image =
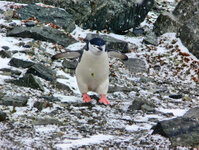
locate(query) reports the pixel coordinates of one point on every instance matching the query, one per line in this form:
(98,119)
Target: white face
(97,50)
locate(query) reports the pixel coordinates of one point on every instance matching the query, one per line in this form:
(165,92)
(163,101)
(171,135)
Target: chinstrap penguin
(92,72)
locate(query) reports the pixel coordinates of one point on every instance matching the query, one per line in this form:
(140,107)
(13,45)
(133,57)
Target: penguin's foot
(86,98)
(104,100)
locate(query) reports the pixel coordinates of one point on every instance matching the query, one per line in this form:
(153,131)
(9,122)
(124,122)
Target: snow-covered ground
(176,65)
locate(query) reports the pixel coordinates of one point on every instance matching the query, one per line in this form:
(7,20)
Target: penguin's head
(97,46)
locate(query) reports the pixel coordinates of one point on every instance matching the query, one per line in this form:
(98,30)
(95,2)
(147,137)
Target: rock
(18,101)
(70,64)
(41,71)
(140,104)
(113,89)
(15,62)
(166,22)
(5,54)
(5,47)
(55,15)
(3,116)
(42,33)
(62,86)
(151,38)
(30,24)
(111,43)
(111,15)
(47,121)
(9,72)
(8,14)
(181,131)
(189,35)
(176,96)
(50,98)
(28,80)
(138,31)
(41,105)
(1,94)
(192,113)
(136,65)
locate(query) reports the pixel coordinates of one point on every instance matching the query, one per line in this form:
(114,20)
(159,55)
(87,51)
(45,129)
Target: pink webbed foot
(86,98)
(104,100)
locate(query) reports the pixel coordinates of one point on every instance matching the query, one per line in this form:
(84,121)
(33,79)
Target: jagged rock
(8,14)
(28,80)
(62,86)
(141,104)
(41,71)
(166,22)
(111,43)
(12,73)
(113,89)
(50,98)
(98,15)
(189,34)
(41,105)
(42,33)
(48,15)
(18,101)
(181,131)
(3,116)
(15,62)
(70,64)
(47,121)
(5,54)
(136,65)
(151,38)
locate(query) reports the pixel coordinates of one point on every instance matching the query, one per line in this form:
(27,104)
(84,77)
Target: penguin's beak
(100,48)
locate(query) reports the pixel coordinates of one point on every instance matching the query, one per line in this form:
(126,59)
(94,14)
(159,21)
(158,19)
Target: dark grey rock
(47,121)
(42,33)
(151,38)
(28,80)
(12,73)
(136,65)
(5,47)
(141,104)
(15,62)
(192,113)
(70,64)
(138,32)
(166,22)
(41,71)
(3,116)
(62,86)
(50,98)
(181,131)
(189,34)
(47,15)
(18,101)
(41,105)
(111,43)
(30,24)
(113,89)
(5,54)
(176,96)
(1,94)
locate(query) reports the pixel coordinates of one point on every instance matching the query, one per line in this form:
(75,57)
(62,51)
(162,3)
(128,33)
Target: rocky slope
(150,94)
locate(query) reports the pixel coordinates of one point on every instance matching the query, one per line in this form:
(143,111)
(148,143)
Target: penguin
(92,71)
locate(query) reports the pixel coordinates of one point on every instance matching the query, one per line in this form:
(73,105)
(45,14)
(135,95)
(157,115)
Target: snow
(94,139)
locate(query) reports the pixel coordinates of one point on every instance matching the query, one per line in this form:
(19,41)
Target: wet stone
(175,96)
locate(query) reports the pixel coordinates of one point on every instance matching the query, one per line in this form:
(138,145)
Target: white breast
(92,73)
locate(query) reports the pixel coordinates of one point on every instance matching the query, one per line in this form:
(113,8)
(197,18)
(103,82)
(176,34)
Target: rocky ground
(41,107)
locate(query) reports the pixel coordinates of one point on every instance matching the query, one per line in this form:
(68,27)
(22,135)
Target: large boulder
(184,20)
(48,15)
(113,15)
(42,33)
